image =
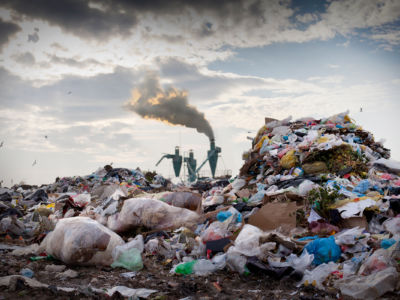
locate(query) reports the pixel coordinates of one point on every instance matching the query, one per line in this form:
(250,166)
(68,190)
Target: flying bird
(34,163)
(69,92)
(1,145)
(45,136)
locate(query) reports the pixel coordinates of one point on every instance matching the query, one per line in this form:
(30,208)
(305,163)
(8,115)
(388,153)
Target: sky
(89,83)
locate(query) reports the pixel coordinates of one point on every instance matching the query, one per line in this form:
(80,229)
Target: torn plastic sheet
(352,209)
(128,292)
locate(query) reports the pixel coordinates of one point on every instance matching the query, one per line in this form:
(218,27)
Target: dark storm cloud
(7,30)
(90,98)
(76,16)
(104,18)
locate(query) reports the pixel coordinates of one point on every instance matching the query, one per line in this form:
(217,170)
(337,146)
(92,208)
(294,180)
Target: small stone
(93,281)
(55,268)
(67,274)
(173,284)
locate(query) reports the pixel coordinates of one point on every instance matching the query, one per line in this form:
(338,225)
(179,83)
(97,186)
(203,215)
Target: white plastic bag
(248,242)
(300,263)
(153,214)
(318,275)
(236,262)
(306,186)
(393,226)
(205,267)
(81,241)
(348,236)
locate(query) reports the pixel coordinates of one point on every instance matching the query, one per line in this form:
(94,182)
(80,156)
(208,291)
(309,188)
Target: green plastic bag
(130,259)
(185,268)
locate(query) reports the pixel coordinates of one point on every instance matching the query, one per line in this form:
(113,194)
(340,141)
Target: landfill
(313,213)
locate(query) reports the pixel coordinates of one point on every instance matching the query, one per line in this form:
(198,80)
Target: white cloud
(345,44)
(307,18)
(387,39)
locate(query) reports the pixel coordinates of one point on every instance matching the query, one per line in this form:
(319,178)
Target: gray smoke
(171,105)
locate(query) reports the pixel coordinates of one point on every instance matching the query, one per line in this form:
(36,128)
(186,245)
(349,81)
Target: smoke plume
(171,105)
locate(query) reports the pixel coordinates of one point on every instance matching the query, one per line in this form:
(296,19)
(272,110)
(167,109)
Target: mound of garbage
(316,202)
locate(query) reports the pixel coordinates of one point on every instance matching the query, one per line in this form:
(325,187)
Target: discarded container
(201,267)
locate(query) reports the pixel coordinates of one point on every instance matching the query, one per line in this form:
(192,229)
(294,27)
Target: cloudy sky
(75,76)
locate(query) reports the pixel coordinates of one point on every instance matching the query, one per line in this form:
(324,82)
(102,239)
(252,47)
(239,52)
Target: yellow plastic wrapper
(51,206)
(323,139)
(289,160)
(261,141)
(260,132)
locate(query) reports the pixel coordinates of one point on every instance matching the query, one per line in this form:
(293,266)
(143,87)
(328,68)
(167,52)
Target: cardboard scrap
(274,215)
(354,222)
(244,193)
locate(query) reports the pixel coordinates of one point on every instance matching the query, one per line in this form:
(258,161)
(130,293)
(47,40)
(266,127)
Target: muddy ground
(155,275)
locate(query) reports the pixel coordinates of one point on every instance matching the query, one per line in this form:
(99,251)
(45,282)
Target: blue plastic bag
(362,187)
(387,243)
(223,215)
(308,238)
(324,250)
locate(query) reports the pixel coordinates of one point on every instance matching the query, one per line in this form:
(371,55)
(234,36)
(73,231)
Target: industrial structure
(190,161)
(176,161)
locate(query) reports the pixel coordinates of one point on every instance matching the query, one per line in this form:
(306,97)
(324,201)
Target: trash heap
(316,202)
(28,212)
(333,191)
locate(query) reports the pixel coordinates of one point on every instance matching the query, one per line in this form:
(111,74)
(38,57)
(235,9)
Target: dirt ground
(155,275)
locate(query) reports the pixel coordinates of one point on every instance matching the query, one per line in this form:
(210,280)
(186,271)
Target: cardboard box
(274,215)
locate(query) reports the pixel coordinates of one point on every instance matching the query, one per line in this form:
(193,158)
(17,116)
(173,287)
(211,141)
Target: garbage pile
(316,202)
(28,212)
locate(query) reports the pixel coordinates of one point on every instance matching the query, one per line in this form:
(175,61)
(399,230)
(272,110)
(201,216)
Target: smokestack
(212,155)
(212,144)
(171,105)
